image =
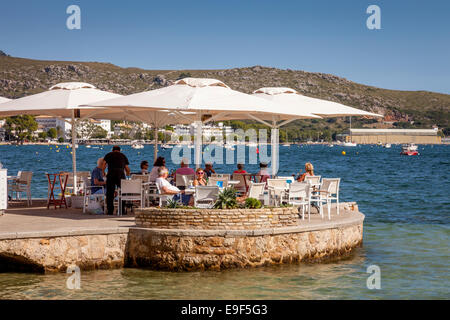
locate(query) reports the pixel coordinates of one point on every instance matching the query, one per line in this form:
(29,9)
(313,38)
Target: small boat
(137,145)
(250,144)
(409,149)
(387,145)
(286,144)
(349,144)
(166,146)
(331,145)
(88,146)
(229,147)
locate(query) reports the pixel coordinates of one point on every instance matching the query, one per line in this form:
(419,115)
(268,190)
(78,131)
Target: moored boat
(409,149)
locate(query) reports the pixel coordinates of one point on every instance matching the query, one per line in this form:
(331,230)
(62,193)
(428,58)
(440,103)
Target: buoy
(257,150)
(343,153)
(37,152)
(67,147)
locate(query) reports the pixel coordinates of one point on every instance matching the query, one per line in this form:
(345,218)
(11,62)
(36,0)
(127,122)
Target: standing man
(117,166)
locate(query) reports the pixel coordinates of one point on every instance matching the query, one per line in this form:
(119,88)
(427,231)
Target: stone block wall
(235,219)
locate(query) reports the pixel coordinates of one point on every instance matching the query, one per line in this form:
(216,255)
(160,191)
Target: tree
(99,133)
(42,135)
(21,127)
(52,133)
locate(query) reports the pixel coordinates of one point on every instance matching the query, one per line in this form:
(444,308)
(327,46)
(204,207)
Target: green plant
(172,204)
(252,203)
(226,199)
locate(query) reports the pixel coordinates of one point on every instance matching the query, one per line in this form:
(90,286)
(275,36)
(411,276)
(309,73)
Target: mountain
(20,77)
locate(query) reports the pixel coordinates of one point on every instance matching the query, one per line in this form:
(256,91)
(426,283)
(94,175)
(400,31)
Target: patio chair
(163,197)
(328,191)
(256,190)
(277,189)
(205,197)
(244,182)
(23,184)
(314,181)
(299,195)
(213,182)
(89,196)
(221,175)
(184,180)
(130,190)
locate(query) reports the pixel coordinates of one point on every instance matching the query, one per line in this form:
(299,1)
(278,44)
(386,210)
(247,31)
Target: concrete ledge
(62,233)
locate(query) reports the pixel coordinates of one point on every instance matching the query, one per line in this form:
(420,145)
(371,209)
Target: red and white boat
(409,149)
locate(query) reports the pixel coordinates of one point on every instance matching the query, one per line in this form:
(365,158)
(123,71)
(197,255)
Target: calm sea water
(406,201)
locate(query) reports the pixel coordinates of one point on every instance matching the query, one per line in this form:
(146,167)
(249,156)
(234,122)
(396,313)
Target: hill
(404,109)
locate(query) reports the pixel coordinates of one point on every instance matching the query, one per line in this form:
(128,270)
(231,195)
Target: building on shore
(374,136)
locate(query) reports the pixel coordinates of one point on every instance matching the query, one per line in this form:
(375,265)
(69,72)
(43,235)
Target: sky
(411,51)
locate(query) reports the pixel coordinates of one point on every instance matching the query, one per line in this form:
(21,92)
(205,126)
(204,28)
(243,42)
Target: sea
(405,199)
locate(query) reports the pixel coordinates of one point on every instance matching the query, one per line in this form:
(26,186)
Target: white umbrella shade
(288,99)
(208,99)
(61,100)
(3,100)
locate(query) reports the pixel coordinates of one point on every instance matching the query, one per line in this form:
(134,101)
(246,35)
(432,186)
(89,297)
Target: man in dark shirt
(117,166)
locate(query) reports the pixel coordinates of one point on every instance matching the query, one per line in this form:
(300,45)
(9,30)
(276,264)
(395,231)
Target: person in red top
(240,169)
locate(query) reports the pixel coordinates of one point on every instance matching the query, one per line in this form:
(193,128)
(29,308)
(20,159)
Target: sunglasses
(200,172)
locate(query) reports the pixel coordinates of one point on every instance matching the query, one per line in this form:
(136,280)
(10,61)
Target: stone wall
(235,219)
(100,251)
(187,250)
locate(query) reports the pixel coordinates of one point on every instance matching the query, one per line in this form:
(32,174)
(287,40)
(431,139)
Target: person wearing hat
(117,167)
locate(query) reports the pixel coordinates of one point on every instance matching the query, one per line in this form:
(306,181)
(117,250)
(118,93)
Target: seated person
(209,169)
(160,162)
(263,172)
(240,169)
(309,171)
(199,178)
(183,169)
(144,167)
(167,189)
(98,177)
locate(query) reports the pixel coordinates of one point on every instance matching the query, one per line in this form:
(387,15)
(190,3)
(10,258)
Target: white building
(45,123)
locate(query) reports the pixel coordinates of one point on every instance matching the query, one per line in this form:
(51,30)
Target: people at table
(117,164)
(263,172)
(184,169)
(166,188)
(199,178)
(209,169)
(309,171)
(144,167)
(98,177)
(240,169)
(160,162)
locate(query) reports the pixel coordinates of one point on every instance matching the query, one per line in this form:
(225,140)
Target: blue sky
(410,52)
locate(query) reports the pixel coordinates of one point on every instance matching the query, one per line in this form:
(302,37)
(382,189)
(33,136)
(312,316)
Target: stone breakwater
(189,239)
(269,236)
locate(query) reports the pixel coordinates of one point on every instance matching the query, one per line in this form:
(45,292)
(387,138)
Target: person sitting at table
(166,188)
(160,162)
(199,178)
(98,177)
(144,167)
(209,169)
(183,169)
(309,171)
(240,169)
(263,172)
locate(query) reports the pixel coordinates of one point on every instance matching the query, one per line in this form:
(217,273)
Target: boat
(286,144)
(250,144)
(166,146)
(409,149)
(229,147)
(137,145)
(387,145)
(349,144)
(88,146)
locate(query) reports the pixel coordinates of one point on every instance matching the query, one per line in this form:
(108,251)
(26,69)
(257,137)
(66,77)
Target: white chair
(277,189)
(244,182)
(162,197)
(314,181)
(184,180)
(299,195)
(23,184)
(290,179)
(221,175)
(89,196)
(205,197)
(130,190)
(328,191)
(213,182)
(256,191)
(145,180)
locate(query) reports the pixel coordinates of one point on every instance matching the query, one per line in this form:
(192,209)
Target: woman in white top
(159,163)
